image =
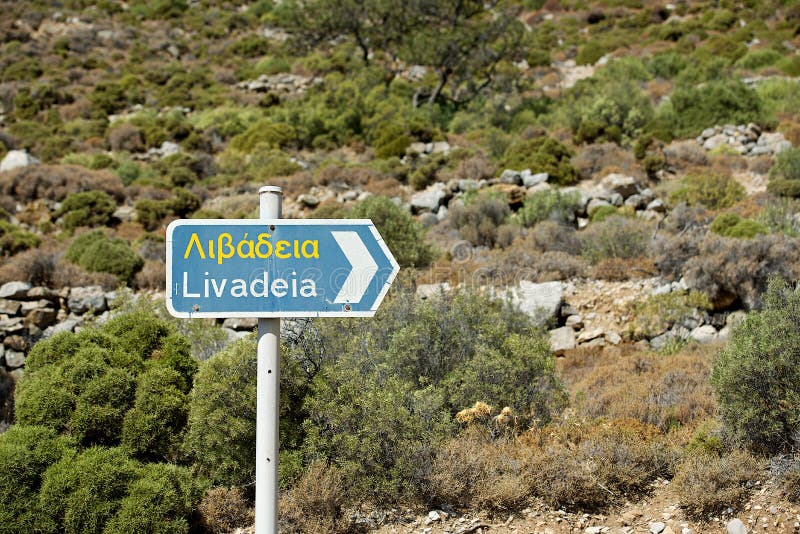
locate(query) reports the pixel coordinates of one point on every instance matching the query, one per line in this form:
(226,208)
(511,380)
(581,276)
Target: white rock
(14,358)
(84,299)
(168,148)
(17,158)
(620,184)
(735,526)
(657,527)
(574,321)
(541,302)
(613,338)
(588,335)
(715,141)
(14,290)
(429,199)
(704,334)
(509,176)
(425,291)
(561,340)
(530,180)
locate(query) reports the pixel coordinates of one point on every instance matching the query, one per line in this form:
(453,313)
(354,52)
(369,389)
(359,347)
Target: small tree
(756,377)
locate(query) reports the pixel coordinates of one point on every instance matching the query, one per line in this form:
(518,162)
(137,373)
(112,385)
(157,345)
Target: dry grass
(55,182)
(707,484)
(223,510)
(315,503)
(622,382)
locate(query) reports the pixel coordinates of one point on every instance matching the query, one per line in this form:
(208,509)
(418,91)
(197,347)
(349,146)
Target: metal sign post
(268,396)
(272,268)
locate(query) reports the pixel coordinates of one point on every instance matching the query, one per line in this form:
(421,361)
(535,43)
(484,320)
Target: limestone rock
(14,290)
(539,301)
(17,158)
(240,324)
(624,186)
(425,291)
(14,359)
(430,199)
(83,299)
(704,334)
(561,340)
(735,526)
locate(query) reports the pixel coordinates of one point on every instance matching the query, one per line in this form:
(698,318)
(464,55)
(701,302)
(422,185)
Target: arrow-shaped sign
(363,267)
(276,268)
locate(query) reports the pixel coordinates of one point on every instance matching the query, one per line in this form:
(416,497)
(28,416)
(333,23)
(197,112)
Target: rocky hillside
(594,204)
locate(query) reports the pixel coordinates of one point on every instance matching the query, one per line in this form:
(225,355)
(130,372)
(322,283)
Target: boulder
(657,206)
(425,291)
(67,325)
(14,359)
(17,158)
(575,321)
(588,335)
(14,290)
(561,340)
(38,293)
(16,342)
(240,324)
(715,141)
(613,338)
(704,334)
(735,526)
(511,177)
(11,325)
(539,301)
(529,180)
(309,201)
(83,299)
(620,184)
(41,317)
(430,199)
(9,307)
(595,204)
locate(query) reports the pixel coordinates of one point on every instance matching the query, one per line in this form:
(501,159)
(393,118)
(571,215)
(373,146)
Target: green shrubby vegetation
(548,205)
(714,191)
(732,225)
(90,209)
(96,252)
(542,154)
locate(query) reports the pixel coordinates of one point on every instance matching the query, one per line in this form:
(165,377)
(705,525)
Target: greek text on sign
(276,268)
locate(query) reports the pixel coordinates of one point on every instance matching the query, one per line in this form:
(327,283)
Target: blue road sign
(276,268)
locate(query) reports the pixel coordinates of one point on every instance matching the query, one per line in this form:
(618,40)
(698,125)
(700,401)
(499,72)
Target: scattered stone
(511,177)
(735,526)
(9,307)
(42,293)
(83,299)
(574,321)
(11,325)
(539,301)
(430,199)
(595,204)
(531,180)
(14,359)
(16,342)
(14,290)
(704,334)
(657,527)
(309,201)
(561,340)
(588,335)
(17,158)
(240,324)
(594,530)
(613,338)
(657,206)
(425,291)
(624,186)
(715,141)
(67,325)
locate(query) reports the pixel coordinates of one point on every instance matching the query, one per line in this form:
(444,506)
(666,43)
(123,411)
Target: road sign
(276,268)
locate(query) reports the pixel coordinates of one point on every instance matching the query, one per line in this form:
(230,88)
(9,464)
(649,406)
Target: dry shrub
(70,275)
(349,176)
(552,236)
(624,383)
(125,137)
(593,159)
(760,164)
(590,466)
(37,266)
(521,261)
(707,484)
(55,182)
(295,184)
(315,503)
(477,167)
(223,510)
(617,269)
(790,480)
(673,252)
(475,472)
(683,155)
(729,269)
(152,276)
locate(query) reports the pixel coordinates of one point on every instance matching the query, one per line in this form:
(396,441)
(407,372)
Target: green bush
(96,252)
(617,113)
(784,188)
(264,132)
(548,205)
(477,220)
(88,208)
(757,59)
(659,313)
(25,453)
(717,102)
(731,225)
(13,239)
(220,435)
(404,236)
(714,191)
(615,237)
(83,491)
(787,165)
(161,499)
(755,378)
(542,154)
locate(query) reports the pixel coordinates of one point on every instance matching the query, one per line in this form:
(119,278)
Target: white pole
(267,409)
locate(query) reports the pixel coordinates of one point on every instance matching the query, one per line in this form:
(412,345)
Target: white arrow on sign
(363,267)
